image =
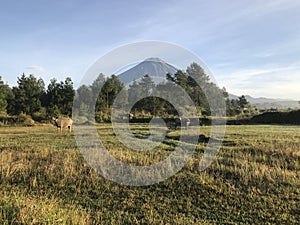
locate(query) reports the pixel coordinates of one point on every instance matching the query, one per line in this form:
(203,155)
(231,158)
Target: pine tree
(28,95)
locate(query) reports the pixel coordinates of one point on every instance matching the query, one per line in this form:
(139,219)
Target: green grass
(255,179)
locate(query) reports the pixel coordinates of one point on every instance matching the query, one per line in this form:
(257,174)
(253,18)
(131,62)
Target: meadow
(255,179)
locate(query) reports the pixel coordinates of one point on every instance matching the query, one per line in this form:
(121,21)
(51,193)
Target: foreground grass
(254,180)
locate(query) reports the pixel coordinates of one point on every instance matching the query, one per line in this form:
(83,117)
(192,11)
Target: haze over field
(252,47)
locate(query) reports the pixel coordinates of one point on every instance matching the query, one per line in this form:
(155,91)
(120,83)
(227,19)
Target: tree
(68,94)
(225,93)
(3,103)
(134,92)
(139,95)
(111,89)
(100,96)
(198,74)
(28,95)
(196,83)
(147,84)
(179,78)
(96,93)
(165,90)
(238,106)
(243,102)
(60,97)
(198,96)
(84,100)
(6,97)
(53,97)
(232,107)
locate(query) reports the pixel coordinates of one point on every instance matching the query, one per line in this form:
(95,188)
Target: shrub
(40,116)
(25,120)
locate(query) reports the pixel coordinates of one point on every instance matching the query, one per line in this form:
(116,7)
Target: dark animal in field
(182,121)
(61,123)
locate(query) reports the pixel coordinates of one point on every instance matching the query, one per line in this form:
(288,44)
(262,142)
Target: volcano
(152,66)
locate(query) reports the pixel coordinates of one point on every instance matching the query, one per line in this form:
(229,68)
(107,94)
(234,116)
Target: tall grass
(255,179)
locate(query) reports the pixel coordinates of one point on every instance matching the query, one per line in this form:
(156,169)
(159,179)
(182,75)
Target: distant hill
(151,66)
(267,103)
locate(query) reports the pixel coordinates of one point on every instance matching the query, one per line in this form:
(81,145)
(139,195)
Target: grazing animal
(184,121)
(61,123)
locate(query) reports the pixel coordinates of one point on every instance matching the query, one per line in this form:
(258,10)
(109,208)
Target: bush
(25,120)
(40,116)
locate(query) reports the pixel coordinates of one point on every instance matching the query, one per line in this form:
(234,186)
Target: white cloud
(277,82)
(36,68)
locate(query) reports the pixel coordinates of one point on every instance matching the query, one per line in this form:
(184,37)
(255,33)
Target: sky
(250,47)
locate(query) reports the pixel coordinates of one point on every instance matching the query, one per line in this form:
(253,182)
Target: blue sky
(251,47)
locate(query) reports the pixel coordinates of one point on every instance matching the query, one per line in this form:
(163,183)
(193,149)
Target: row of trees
(31,97)
(194,82)
(149,97)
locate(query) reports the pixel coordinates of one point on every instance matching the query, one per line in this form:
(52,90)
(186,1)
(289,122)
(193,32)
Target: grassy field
(255,179)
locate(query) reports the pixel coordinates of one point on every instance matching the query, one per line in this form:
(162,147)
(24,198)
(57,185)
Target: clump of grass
(9,212)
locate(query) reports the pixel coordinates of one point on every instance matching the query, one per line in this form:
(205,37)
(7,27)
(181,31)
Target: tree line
(31,97)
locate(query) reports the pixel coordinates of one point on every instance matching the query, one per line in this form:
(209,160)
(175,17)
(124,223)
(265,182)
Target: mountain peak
(153,66)
(154,59)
